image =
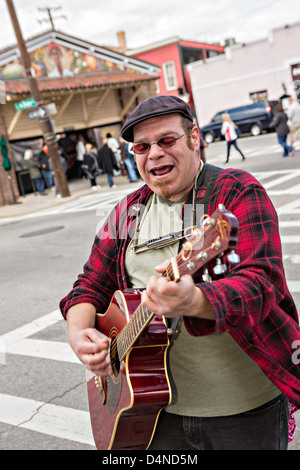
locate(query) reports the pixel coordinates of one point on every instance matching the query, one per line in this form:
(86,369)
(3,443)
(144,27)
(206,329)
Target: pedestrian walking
(45,166)
(90,166)
(279,122)
(125,155)
(35,172)
(108,162)
(80,152)
(229,130)
(113,144)
(293,113)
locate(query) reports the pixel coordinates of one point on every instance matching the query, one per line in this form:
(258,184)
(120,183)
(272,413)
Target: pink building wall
(160,54)
(227,80)
(158,57)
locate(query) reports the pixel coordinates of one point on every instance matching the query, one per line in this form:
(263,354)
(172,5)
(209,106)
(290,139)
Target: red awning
(16,87)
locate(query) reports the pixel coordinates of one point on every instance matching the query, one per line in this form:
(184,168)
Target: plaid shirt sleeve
(252,302)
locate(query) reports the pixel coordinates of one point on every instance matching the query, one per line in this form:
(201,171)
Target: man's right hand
(88,345)
(92,350)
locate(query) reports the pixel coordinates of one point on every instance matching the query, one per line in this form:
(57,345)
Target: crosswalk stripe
(53,350)
(281,192)
(281,179)
(31,328)
(294,286)
(17,341)
(290,239)
(292,207)
(53,420)
(289,223)
(295,259)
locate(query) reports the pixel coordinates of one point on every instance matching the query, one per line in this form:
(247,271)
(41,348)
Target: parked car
(253,118)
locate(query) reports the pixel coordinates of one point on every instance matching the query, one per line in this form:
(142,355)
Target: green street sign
(25,104)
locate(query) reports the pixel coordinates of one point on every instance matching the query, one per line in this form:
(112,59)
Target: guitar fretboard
(139,320)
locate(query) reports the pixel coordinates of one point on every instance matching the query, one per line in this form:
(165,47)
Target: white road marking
(53,420)
(290,238)
(289,208)
(289,223)
(17,341)
(294,287)
(53,350)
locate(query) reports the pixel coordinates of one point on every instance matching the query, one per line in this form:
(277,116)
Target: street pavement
(31,203)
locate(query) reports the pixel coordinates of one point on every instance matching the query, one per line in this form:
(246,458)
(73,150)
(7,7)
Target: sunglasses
(164,143)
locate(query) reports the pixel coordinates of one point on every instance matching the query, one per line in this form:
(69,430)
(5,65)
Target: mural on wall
(55,61)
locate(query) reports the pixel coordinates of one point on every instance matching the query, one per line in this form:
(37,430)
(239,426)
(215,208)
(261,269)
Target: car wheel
(209,138)
(255,129)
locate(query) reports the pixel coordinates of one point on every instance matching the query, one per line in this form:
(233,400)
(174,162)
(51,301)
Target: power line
(233,20)
(50,18)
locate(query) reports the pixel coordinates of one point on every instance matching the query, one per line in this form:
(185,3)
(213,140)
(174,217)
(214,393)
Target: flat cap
(153,107)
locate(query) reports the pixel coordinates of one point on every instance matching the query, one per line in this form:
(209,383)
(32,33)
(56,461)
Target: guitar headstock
(217,235)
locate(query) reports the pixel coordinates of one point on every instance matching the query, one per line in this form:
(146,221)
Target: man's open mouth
(163,170)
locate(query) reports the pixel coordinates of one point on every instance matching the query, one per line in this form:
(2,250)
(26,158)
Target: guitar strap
(200,194)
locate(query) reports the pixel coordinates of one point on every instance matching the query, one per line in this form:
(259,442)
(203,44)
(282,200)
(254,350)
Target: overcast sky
(147,21)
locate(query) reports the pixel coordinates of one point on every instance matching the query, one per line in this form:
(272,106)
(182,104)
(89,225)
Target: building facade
(173,56)
(86,88)
(265,69)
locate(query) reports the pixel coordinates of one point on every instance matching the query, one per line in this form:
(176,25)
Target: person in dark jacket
(35,172)
(90,165)
(279,122)
(45,166)
(108,162)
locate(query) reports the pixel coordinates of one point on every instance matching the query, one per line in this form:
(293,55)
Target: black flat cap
(153,107)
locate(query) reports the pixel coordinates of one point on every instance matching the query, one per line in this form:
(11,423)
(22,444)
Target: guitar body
(124,408)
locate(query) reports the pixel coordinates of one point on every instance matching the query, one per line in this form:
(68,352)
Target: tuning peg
(220,268)
(233,257)
(205,276)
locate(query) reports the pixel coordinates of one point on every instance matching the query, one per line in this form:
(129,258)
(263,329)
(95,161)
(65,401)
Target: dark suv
(252,118)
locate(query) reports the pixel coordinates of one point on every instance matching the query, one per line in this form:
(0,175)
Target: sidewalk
(77,187)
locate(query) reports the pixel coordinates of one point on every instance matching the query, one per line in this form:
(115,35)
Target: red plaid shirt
(252,302)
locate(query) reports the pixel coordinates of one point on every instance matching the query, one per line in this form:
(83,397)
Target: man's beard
(163,185)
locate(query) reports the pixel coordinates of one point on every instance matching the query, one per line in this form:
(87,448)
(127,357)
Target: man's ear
(195,138)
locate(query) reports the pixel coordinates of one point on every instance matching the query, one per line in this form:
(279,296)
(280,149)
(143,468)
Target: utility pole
(44,122)
(50,19)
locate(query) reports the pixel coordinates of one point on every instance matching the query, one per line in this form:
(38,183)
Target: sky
(147,21)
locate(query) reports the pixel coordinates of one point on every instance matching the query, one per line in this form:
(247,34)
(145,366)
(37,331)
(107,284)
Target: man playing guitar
(229,367)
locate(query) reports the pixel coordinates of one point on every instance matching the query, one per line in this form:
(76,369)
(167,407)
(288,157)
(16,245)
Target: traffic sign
(25,104)
(38,113)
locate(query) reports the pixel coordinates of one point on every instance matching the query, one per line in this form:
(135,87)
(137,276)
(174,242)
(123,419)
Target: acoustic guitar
(125,407)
